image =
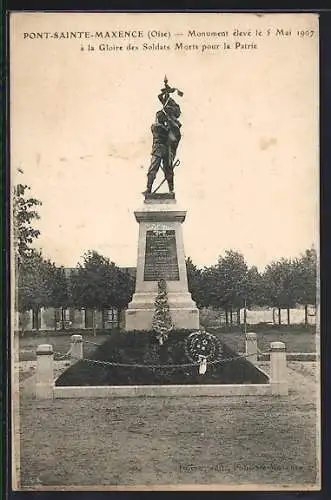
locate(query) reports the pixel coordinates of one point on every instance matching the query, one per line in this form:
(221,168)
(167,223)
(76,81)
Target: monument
(161,254)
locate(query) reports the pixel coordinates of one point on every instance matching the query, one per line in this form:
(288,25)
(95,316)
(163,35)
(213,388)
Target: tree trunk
(288,316)
(20,324)
(231,318)
(226,317)
(62,318)
(238,316)
(93,323)
(245,317)
(306,314)
(36,318)
(274,315)
(55,319)
(103,315)
(119,317)
(279,316)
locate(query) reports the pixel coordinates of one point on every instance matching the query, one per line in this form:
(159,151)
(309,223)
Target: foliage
(194,280)
(292,281)
(254,289)
(306,277)
(280,283)
(35,282)
(231,284)
(61,296)
(222,285)
(100,284)
(24,214)
(232,270)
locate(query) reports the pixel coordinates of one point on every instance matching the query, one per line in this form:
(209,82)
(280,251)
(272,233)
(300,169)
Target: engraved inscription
(161,256)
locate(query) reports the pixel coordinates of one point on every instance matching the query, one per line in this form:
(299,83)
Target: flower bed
(141,348)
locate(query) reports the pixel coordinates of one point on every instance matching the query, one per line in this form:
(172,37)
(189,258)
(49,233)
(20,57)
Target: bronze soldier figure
(166,137)
(160,152)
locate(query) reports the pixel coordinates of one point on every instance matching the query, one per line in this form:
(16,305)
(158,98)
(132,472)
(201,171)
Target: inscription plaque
(161,256)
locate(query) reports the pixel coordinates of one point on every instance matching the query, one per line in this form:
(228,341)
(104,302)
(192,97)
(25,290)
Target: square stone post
(45,372)
(76,347)
(251,347)
(279,376)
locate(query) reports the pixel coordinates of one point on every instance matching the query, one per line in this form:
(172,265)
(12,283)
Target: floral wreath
(201,344)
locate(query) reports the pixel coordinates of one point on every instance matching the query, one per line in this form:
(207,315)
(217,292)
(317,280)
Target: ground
(261,440)
(228,440)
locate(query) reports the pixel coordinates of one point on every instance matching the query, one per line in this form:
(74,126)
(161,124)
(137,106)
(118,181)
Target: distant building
(52,318)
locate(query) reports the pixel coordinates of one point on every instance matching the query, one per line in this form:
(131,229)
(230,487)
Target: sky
(80,131)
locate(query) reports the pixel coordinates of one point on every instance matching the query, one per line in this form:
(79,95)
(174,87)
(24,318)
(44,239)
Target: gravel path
(163,441)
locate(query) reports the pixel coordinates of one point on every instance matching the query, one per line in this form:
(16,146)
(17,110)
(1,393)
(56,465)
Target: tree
(280,285)
(34,283)
(306,276)
(60,290)
(122,288)
(24,214)
(99,284)
(253,289)
(232,277)
(194,280)
(221,286)
(209,294)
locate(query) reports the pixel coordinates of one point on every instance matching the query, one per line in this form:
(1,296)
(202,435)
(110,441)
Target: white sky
(249,151)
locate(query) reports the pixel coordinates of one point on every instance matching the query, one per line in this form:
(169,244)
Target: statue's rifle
(175,164)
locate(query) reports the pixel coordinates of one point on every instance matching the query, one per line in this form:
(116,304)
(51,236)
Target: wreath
(202,345)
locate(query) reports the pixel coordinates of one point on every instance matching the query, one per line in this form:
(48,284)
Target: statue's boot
(150,180)
(171,185)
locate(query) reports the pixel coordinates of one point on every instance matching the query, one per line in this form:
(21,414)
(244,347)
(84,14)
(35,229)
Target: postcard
(165,249)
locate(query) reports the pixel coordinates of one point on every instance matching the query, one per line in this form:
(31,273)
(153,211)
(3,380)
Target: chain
(62,356)
(159,366)
(262,353)
(184,365)
(93,343)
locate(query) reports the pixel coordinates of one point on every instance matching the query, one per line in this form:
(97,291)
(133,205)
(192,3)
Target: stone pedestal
(161,255)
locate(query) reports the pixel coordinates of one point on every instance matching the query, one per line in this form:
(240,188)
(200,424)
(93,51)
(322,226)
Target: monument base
(183,311)
(141,319)
(161,256)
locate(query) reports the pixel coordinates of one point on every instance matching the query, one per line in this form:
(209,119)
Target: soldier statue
(166,137)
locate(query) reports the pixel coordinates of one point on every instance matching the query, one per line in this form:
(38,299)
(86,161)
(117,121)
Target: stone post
(76,347)
(279,376)
(251,347)
(45,372)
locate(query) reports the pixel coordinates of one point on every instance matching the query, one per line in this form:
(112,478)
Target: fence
(46,389)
